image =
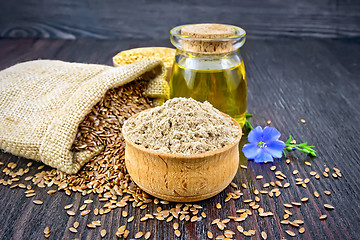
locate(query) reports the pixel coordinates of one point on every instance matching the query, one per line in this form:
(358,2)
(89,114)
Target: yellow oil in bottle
(225,88)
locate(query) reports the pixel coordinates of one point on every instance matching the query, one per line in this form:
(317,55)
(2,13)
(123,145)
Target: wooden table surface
(288,80)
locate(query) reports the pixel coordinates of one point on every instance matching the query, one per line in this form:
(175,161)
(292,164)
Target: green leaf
(248,115)
(305,151)
(288,141)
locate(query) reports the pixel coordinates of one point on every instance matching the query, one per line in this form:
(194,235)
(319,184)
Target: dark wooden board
(141,19)
(288,79)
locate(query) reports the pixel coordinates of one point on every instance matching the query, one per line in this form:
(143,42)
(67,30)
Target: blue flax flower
(264,145)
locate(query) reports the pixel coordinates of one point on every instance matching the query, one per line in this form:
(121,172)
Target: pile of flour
(181,125)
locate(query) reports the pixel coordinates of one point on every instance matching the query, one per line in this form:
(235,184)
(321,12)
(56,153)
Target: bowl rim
(183,156)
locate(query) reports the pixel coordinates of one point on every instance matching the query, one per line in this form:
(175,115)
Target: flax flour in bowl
(183,150)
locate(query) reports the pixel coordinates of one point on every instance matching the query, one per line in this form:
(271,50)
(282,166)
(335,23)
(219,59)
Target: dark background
(302,60)
(114,19)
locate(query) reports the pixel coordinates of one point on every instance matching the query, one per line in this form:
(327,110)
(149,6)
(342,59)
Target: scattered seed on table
(323,217)
(51,192)
(298,221)
(203,214)
(264,235)
(317,176)
(130,219)
(287,161)
(47,230)
(139,235)
(70,213)
(295,172)
(287,205)
(244,185)
(96,223)
(147,235)
(90,225)
(327,192)
(334,175)
(76,224)
(240,228)
(296,203)
(82,207)
(68,206)
(288,212)
(258,177)
(272,168)
(218,205)
(243,166)
(328,206)
(73,230)
(103,233)
(175,226)
(325,174)
(307,163)
(291,233)
(285,222)
(301,230)
(246,233)
(124,213)
(316,194)
(38,202)
(286,185)
(177,233)
(85,212)
(210,235)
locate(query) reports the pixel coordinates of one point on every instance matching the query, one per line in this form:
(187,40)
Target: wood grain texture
(288,79)
(141,19)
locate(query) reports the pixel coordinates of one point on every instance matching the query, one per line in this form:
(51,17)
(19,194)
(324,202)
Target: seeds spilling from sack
(105,173)
(102,126)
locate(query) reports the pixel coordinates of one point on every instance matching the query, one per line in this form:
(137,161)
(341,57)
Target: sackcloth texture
(43,102)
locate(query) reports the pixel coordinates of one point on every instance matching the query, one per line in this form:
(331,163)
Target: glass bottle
(208,67)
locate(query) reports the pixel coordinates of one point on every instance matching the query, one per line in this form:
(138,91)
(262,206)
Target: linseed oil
(225,88)
(208,67)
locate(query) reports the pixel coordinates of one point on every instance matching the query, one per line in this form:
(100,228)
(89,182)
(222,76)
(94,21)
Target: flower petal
(275,148)
(255,135)
(251,150)
(263,157)
(270,134)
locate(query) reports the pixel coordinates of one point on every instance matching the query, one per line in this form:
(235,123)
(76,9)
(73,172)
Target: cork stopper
(211,32)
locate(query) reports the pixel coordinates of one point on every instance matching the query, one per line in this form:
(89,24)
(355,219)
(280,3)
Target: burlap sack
(42,103)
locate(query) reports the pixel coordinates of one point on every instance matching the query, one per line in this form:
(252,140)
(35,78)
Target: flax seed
(329,207)
(147,235)
(177,233)
(47,230)
(323,217)
(38,202)
(73,230)
(291,233)
(70,213)
(139,235)
(103,233)
(90,225)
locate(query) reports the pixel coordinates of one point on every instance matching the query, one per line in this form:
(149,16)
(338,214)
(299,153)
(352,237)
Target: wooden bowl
(182,178)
